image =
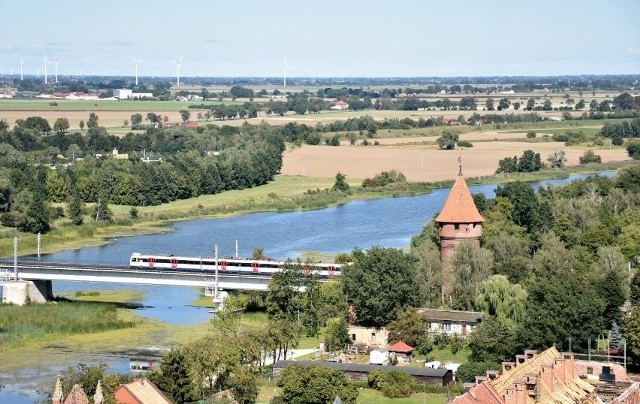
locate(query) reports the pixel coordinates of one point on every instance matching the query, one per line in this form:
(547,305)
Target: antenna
(284,74)
(137,62)
(21,65)
(178,67)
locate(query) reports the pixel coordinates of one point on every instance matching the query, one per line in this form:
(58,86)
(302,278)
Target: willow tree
(500,298)
(469,267)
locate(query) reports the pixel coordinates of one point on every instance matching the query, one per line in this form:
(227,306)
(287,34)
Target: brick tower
(459,219)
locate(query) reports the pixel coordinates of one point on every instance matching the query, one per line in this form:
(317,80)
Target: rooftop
(459,207)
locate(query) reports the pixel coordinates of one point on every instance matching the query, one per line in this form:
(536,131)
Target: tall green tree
(492,341)
(379,284)
(500,298)
(173,377)
(93,120)
(631,332)
(561,306)
(469,266)
(410,327)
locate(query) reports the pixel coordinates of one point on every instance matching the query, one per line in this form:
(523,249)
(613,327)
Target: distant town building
(340,105)
(126,94)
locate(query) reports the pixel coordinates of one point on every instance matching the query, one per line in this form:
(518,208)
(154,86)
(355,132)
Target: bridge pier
(21,292)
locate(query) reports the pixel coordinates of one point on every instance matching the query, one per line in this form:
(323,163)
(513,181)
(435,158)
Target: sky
(329,38)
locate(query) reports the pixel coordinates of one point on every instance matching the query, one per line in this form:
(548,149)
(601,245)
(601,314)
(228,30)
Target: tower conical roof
(459,207)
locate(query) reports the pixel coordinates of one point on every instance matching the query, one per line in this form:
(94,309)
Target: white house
(451,322)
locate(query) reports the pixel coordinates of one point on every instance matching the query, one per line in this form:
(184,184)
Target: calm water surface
(387,222)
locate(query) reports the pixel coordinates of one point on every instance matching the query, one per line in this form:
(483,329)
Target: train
(227,265)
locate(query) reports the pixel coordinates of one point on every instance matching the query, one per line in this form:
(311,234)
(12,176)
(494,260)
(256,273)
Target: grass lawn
(108,296)
(371,396)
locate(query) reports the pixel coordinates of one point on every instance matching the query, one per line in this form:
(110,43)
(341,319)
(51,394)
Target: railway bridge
(33,280)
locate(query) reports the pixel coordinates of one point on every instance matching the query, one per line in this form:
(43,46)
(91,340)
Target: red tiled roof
(459,207)
(400,347)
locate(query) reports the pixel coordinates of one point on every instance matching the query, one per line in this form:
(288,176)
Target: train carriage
(225,265)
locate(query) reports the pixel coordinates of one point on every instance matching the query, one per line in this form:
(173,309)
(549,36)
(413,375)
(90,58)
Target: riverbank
(285,193)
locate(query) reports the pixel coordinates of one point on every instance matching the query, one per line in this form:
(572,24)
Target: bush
(456,344)
(392,384)
(531,135)
(465,143)
(11,219)
(590,157)
(633,149)
(384,178)
(425,347)
(467,372)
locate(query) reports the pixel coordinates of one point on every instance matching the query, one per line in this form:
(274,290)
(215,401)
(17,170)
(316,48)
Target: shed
(357,372)
(402,351)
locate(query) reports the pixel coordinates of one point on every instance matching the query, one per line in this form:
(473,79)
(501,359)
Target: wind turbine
(137,62)
(284,73)
(178,67)
(21,65)
(45,67)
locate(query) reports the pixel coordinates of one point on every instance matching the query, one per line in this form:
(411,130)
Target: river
(388,222)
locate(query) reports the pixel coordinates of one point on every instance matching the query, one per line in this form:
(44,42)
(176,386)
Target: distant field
(113,113)
(419,159)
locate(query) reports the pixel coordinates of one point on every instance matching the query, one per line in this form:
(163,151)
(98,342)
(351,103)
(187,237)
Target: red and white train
(226,265)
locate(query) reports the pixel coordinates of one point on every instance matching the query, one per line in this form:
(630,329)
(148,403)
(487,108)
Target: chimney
(507,366)
(510,395)
(569,365)
(547,376)
(480,379)
(530,353)
(520,359)
(521,392)
(493,374)
(558,369)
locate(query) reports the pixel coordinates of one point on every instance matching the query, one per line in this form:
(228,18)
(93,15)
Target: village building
(401,351)
(451,322)
(140,391)
(544,377)
(358,372)
(368,336)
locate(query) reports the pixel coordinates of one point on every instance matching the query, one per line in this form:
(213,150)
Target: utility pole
(15,257)
(215,285)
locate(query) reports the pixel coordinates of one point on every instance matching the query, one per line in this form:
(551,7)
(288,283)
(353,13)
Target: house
(543,377)
(401,351)
(371,337)
(340,105)
(358,372)
(451,322)
(140,391)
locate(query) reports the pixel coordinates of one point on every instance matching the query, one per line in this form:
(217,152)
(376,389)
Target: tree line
(162,165)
